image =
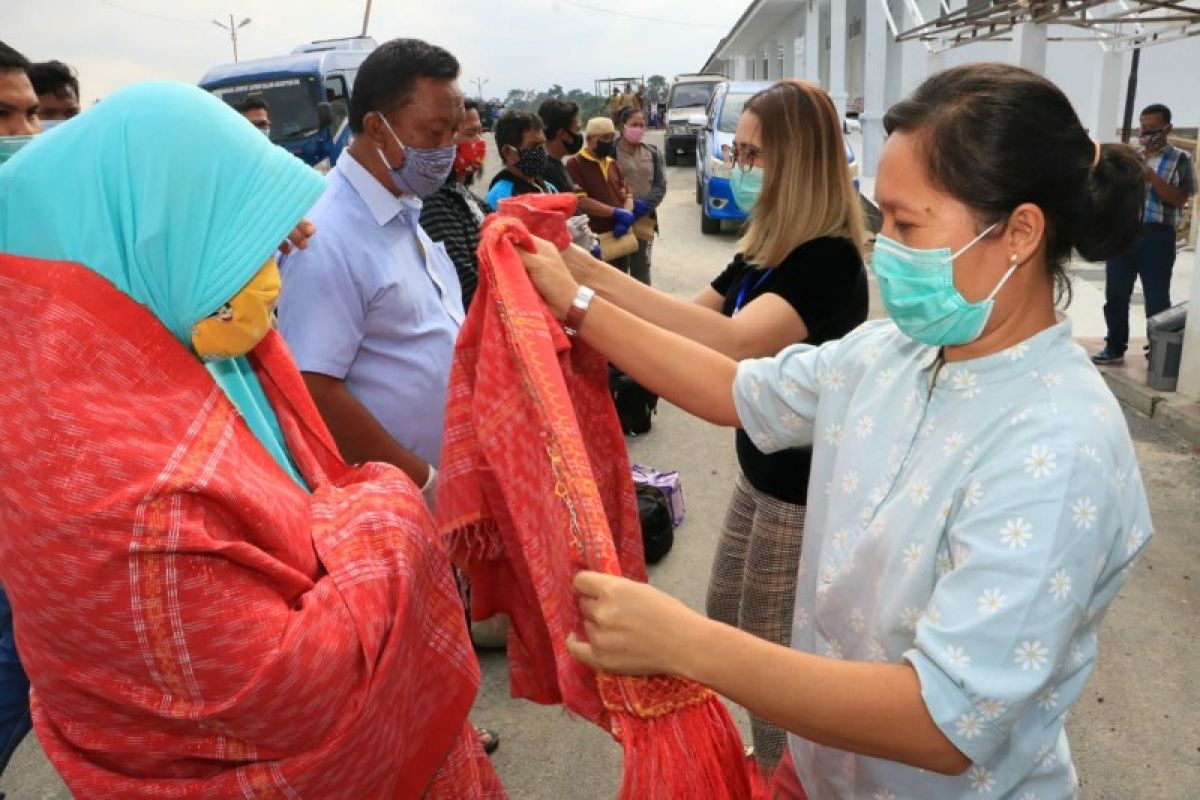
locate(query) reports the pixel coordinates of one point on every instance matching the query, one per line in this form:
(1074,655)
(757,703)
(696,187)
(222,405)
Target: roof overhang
(760,20)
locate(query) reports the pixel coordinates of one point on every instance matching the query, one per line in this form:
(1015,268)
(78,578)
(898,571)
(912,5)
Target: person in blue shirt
(975,503)
(521,144)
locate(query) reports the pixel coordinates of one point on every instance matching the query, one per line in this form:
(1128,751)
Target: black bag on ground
(658,529)
(635,404)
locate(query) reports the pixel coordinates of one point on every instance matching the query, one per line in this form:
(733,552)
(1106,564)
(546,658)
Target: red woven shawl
(534,486)
(193,623)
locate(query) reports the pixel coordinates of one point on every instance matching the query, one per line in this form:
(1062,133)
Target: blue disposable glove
(641,208)
(622,221)
(596,251)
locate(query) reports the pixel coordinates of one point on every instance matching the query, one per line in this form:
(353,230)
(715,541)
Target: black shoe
(489,740)
(1107,358)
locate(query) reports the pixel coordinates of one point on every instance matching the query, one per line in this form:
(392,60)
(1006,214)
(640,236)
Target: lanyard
(741,298)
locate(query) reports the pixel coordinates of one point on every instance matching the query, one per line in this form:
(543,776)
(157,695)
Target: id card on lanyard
(746,288)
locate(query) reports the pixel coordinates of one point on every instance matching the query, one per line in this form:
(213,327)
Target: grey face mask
(424,170)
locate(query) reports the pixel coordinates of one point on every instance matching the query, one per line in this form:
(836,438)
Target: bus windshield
(686,95)
(292,100)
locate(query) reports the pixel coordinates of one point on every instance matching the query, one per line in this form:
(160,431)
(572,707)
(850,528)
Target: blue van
(308,91)
(715,141)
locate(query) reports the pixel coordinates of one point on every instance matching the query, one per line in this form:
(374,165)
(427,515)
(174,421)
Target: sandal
(489,740)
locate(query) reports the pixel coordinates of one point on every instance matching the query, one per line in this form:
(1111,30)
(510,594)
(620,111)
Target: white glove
(581,234)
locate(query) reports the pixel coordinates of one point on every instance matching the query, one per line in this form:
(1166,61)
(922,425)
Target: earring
(1013,259)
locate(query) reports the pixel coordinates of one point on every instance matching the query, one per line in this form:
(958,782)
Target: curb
(1168,409)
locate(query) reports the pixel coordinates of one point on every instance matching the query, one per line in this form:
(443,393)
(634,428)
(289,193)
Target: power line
(150,14)
(602,10)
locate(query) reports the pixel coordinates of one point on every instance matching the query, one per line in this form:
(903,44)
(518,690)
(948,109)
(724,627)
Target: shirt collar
(383,205)
(1024,357)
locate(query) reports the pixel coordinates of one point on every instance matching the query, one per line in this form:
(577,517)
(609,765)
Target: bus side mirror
(324,116)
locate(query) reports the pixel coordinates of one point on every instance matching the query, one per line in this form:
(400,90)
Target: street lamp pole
(479,82)
(233,29)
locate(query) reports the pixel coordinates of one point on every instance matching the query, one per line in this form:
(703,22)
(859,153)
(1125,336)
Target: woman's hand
(299,237)
(550,276)
(633,628)
(582,264)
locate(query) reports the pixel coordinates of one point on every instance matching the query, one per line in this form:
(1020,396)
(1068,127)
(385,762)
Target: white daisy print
(833,434)
(828,574)
(835,381)
(961,552)
(992,600)
(833,649)
(943,513)
(792,421)
(991,709)
(1047,700)
(1083,512)
(755,388)
(965,382)
(1101,413)
(883,794)
(1060,585)
(1051,379)
(1040,461)
(1134,540)
(910,616)
(927,427)
(1046,755)
(875,529)
(957,657)
(1031,655)
(885,378)
(873,354)
(919,492)
(1019,417)
(944,564)
(876,652)
(1016,533)
(973,493)
(982,779)
(840,537)
(970,456)
(952,442)
(878,494)
(1122,478)
(912,556)
(849,481)
(1090,451)
(864,426)
(789,387)
(858,622)
(1017,351)
(1076,653)
(800,617)
(969,725)
(932,615)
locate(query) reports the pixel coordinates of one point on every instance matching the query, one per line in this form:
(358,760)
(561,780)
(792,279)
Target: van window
(731,112)
(338,98)
(690,94)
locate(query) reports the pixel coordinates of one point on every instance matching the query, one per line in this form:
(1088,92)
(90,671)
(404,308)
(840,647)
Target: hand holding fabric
(622,221)
(641,208)
(632,628)
(550,276)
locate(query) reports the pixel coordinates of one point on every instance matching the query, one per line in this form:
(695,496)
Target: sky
(527,44)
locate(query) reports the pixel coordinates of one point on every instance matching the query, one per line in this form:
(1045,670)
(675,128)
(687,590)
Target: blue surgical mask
(747,186)
(9,145)
(47,124)
(424,170)
(917,287)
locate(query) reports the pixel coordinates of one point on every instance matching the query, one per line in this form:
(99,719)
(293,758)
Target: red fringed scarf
(535,486)
(193,623)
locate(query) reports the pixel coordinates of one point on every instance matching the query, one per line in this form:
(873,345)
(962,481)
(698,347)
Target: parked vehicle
(308,91)
(689,95)
(714,147)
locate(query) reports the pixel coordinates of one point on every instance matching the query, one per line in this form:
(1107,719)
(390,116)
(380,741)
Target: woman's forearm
(685,373)
(871,709)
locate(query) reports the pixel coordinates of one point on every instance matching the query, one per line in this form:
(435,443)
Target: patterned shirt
(976,528)
(1174,166)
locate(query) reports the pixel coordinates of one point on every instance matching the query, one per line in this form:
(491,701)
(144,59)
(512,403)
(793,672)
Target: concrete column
(875,56)
(1106,99)
(796,64)
(739,67)
(812,43)
(1029,47)
(1189,364)
(837,56)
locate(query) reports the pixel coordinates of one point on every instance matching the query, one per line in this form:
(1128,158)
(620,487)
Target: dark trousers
(1151,258)
(14,688)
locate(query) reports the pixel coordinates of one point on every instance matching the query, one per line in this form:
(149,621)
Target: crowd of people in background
(833,619)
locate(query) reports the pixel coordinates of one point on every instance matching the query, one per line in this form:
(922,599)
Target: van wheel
(669,156)
(709,224)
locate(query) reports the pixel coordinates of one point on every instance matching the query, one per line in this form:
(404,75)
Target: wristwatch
(579,307)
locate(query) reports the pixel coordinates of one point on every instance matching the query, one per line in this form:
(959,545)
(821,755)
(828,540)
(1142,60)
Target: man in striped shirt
(1170,179)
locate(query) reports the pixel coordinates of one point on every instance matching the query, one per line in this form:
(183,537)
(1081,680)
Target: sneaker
(1107,358)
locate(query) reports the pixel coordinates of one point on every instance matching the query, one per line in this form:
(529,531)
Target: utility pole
(479,82)
(233,29)
(366,18)
(1131,95)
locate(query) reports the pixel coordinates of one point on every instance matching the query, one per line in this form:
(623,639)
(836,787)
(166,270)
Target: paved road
(1135,733)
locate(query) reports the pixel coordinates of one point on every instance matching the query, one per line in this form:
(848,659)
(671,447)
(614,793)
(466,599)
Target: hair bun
(1110,214)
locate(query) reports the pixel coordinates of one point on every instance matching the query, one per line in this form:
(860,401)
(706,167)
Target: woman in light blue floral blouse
(975,503)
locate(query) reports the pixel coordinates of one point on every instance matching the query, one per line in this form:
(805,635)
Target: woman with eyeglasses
(798,277)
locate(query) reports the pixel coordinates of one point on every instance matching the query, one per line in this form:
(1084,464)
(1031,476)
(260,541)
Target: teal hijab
(174,198)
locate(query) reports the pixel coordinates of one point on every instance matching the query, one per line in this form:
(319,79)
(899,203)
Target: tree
(515,99)
(656,88)
(555,91)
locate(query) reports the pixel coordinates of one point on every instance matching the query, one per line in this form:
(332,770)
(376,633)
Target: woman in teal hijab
(166,192)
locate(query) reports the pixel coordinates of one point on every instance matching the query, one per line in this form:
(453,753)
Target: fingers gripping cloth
(535,486)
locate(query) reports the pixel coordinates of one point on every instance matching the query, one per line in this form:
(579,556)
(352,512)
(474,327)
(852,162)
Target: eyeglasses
(743,156)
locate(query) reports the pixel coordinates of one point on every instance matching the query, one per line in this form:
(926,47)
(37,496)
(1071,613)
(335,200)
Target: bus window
(338,98)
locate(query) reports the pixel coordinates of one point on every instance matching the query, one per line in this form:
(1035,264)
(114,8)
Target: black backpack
(658,529)
(635,405)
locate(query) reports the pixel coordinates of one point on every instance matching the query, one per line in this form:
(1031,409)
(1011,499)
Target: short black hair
(470,105)
(12,60)
(252,103)
(386,78)
(1158,108)
(557,115)
(512,127)
(53,77)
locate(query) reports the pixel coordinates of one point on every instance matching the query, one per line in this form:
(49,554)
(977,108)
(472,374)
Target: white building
(868,54)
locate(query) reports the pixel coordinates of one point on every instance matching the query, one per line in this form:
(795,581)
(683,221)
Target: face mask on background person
(746,185)
(605,148)
(238,326)
(575,144)
(531,160)
(469,156)
(635,133)
(424,169)
(1150,140)
(9,145)
(917,287)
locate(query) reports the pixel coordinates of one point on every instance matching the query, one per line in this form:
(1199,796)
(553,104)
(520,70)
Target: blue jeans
(1151,258)
(14,688)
